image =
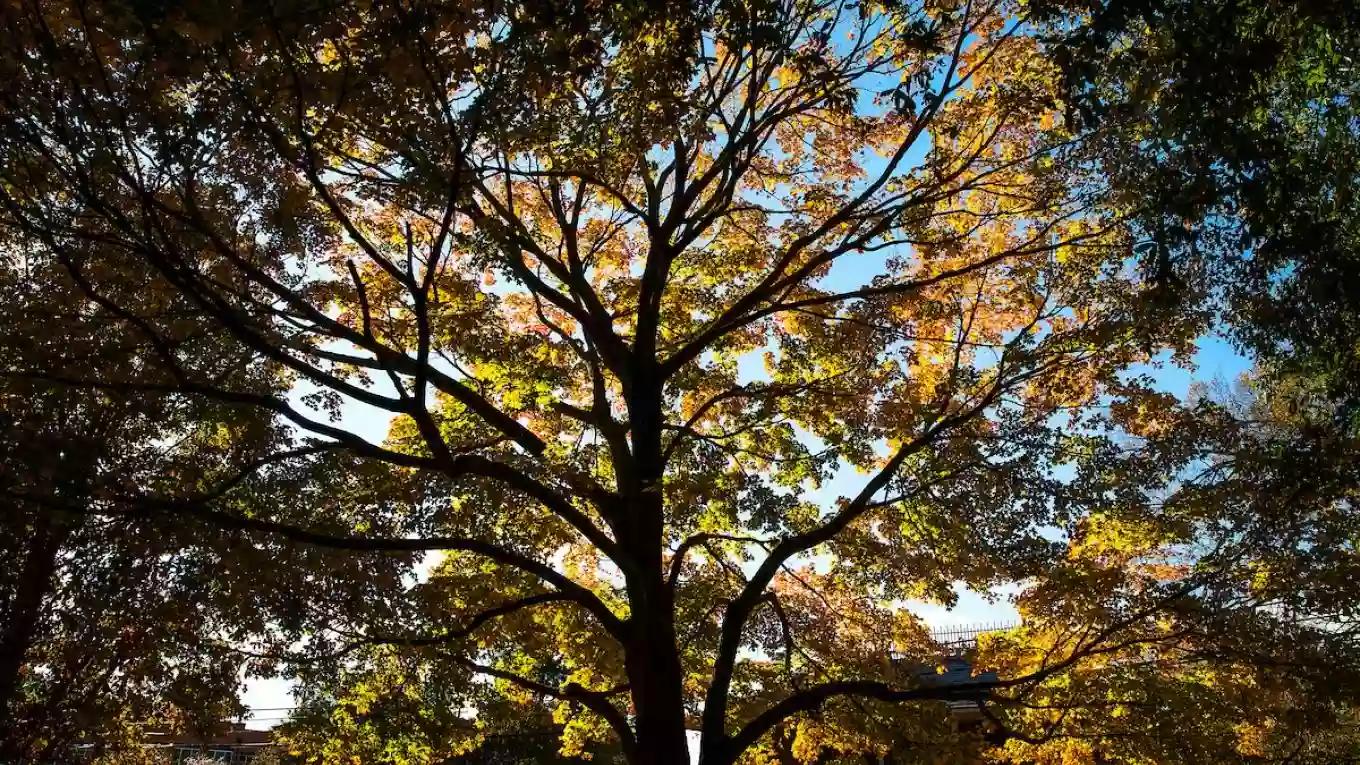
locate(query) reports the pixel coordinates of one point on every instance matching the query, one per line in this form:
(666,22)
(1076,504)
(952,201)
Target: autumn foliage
(635,293)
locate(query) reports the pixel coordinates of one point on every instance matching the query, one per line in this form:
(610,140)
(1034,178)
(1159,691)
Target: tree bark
(656,678)
(21,613)
(655,674)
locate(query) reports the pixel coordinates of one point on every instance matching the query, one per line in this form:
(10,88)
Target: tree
(104,619)
(392,706)
(1244,182)
(554,254)
(111,620)
(115,620)
(1261,666)
(1244,198)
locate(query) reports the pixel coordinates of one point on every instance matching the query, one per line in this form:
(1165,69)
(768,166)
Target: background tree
(631,287)
(1232,128)
(1261,664)
(394,706)
(105,625)
(114,619)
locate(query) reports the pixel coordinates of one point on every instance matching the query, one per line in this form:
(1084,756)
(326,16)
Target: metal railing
(965,636)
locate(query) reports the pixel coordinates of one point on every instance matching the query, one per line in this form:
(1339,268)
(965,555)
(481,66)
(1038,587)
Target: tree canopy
(1244,182)
(106,619)
(638,290)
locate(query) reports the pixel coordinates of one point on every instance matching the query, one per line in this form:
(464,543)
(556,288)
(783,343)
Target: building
(237,745)
(233,745)
(954,668)
(957,671)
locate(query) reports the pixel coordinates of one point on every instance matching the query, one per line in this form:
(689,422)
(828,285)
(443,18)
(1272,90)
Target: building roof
(235,736)
(956,671)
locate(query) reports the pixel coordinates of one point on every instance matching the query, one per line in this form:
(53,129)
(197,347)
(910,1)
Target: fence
(965,636)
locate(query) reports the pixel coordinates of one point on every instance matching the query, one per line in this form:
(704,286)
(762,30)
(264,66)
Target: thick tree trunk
(656,679)
(655,675)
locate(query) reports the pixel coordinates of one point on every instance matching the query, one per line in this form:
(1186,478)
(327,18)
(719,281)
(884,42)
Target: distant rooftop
(955,670)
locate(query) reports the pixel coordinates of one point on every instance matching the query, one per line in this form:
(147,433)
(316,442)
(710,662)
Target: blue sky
(1215,360)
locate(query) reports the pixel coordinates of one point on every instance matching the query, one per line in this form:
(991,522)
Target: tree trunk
(655,675)
(656,680)
(21,613)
